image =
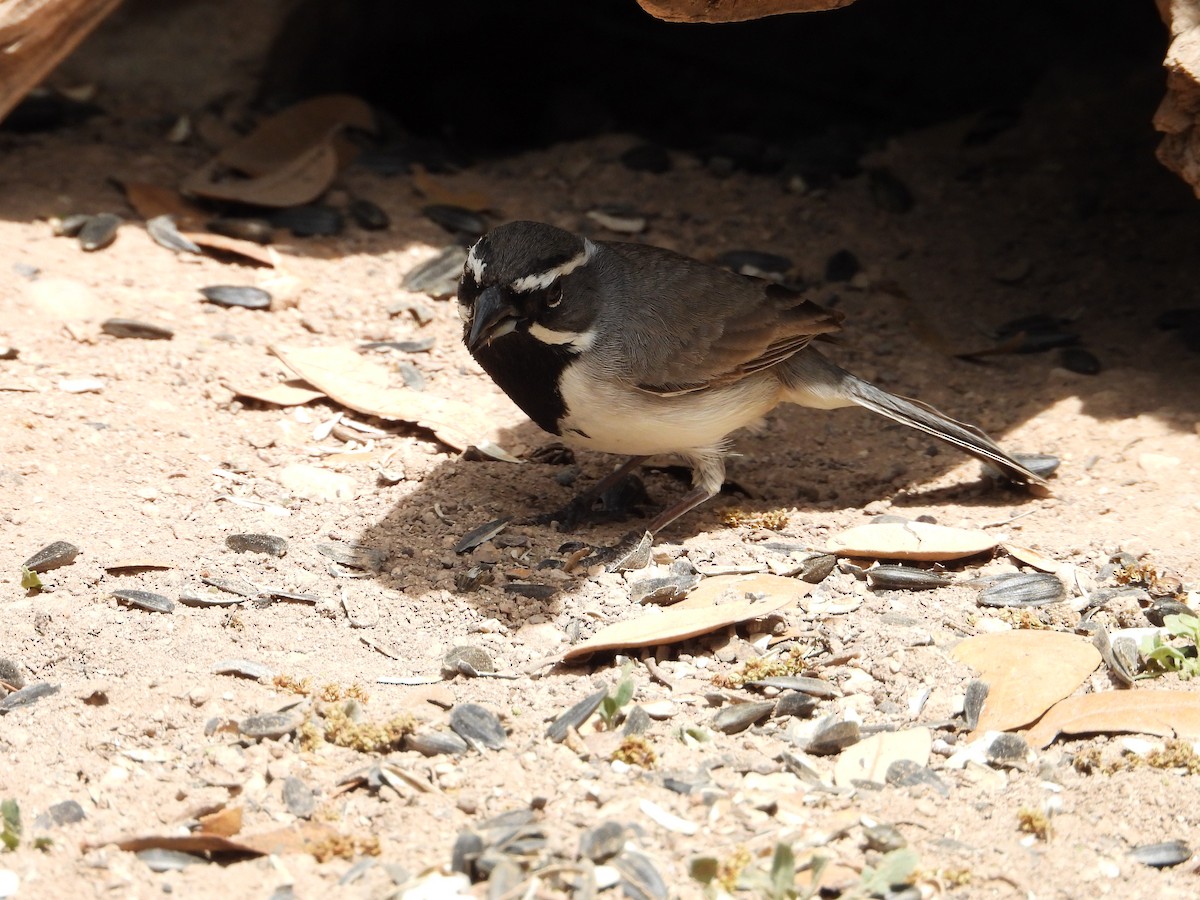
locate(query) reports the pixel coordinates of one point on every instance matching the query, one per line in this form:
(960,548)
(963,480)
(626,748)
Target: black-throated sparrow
(636,350)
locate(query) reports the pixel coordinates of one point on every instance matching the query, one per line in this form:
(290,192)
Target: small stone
(663,590)
(574,717)
(1158,463)
(81,385)
(52,556)
(532,590)
(159,859)
(314,483)
(271,725)
(298,797)
(146,600)
(131,328)
(242,295)
(602,842)
(244,668)
(908,773)
(269,544)
(833,736)
(637,721)
(468,847)
(258,231)
(884,838)
(467,660)
(740,716)
(66,813)
(99,231)
(368,215)
(478,726)
(796,705)
(10,673)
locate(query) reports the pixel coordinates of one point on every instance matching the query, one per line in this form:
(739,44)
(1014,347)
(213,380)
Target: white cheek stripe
(475,264)
(543,280)
(580,340)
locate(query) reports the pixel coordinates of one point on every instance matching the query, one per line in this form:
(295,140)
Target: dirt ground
(1065,214)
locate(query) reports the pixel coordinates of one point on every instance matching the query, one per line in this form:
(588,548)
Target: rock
(313,483)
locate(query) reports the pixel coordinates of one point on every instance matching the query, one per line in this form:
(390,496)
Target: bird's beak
(494,316)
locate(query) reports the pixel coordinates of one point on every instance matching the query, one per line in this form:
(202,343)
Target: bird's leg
(633,550)
(580,505)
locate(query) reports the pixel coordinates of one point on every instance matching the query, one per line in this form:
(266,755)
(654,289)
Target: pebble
(841,266)
(52,556)
(242,295)
(532,590)
(413,378)
(146,600)
(268,544)
(884,838)
(795,704)
(740,716)
(314,483)
(68,812)
(99,231)
(574,717)
(10,673)
(639,878)
(651,158)
(637,721)
(907,773)
(298,797)
(437,277)
(478,726)
(82,385)
(244,668)
(271,725)
(164,233)
(310,220)
(368,215)
(132,328)
(661,709)
(160,859)
(663,590)
(833,736)
(468,660)
(667,820)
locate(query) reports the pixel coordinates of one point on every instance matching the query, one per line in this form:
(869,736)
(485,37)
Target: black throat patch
(529,371)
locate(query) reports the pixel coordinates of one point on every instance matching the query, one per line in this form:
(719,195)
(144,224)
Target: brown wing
(770,324)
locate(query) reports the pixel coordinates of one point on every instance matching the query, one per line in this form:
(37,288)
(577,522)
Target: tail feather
(814,381)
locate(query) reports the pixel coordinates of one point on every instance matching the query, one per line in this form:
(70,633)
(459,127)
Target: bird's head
(525,277)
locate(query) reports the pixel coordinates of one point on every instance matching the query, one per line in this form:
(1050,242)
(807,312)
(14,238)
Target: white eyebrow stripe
(475,264)
(543,280)
(580,340)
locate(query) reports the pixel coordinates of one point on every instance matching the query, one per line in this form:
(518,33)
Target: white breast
(613,418)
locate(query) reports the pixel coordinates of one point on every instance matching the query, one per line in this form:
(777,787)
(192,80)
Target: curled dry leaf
(1163,713)
(293,392)
(910,540)
(1027,672)
(219,244)
(676,624)
(362,385)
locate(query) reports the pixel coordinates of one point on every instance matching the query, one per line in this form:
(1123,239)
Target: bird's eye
(554,296)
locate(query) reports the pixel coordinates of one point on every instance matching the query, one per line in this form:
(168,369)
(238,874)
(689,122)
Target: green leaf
(10,818)
(894,868)
(1184,626)
(624,692)
(783,871)
(30,580)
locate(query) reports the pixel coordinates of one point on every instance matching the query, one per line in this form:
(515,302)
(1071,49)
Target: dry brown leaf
(1163,713)
(1027,672)
(869,759)
(710,590)
(437,191)
(1035,559)
(302,837)
(293,392)
(301,180)
(278,140)
(910,540)
(674,624)
(226,822)
(151,200)
(219,244)
(362,385)
(138,562)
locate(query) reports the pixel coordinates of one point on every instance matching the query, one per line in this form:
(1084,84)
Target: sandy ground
(1065,214)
